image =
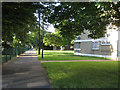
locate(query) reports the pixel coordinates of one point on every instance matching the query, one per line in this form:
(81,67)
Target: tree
(52,39)
(72,18)
(34,38)
(56,39)
(18,20)
(65,41)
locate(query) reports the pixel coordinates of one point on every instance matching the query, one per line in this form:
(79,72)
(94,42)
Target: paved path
(74,61)
(24,72)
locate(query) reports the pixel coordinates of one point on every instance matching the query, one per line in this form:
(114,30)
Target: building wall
(112,50)
(86,48)
(103,49)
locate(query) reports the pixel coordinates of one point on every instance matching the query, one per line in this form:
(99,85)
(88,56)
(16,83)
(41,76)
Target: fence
(10,53)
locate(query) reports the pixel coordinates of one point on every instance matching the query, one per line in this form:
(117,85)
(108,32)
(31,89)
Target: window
(95,45)
(107,35)
(77,46)
(105,42)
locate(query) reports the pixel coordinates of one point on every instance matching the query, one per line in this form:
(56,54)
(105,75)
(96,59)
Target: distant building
(107,46)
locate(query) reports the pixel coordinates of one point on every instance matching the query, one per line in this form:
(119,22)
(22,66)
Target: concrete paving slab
(24,72)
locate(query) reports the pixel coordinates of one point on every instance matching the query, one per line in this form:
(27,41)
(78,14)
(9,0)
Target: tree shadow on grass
(84,82)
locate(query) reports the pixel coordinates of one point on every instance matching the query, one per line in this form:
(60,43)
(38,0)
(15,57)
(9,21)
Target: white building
(108,46)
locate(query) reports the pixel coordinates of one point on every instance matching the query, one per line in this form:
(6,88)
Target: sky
(50,28)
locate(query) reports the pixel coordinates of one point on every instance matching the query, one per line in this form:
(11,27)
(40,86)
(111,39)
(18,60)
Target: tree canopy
(56,39)
(72,18)
(18,19)
(52,39)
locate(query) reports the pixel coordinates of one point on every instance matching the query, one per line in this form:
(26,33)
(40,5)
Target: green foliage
(52,39)
(64,40)
(18,19)
(72,18)
(34,38)
(72,42)
(56,39)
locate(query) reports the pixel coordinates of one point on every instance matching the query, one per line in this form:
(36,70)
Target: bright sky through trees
(50,27)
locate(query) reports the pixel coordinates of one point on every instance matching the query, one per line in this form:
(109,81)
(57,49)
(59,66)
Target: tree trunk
(54,47)
(68,47)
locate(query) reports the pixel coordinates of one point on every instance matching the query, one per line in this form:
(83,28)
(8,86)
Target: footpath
(24,72)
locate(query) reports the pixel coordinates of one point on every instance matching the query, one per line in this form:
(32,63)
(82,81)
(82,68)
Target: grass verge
(65,55)
(82,74)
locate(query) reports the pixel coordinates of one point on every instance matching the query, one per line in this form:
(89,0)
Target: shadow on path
(24,72)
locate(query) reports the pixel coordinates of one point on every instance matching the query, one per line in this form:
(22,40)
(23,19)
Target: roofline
(89,40)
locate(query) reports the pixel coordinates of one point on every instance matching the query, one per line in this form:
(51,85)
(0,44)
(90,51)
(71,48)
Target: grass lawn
(65,55)
(82,74)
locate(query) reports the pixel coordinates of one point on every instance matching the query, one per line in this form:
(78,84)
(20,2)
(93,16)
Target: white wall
(119,44)
(113,38)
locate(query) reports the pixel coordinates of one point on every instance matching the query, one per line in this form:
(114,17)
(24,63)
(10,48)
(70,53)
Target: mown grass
(65,55)
(82,74)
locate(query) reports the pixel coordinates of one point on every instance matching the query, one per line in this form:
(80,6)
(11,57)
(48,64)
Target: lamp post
(42,34)
(42,40)
(42,43)
(39,32)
